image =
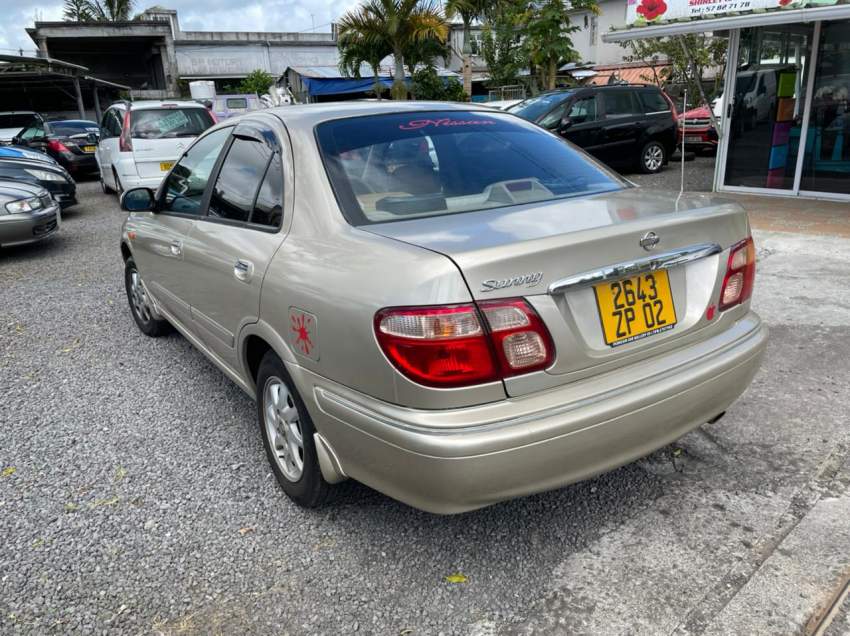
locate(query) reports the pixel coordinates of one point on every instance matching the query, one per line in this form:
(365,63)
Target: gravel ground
(135,496)
(699,175)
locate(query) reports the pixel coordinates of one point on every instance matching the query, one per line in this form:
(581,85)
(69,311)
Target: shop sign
(643,12)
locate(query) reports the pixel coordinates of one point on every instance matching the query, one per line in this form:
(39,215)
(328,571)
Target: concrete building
(152,53)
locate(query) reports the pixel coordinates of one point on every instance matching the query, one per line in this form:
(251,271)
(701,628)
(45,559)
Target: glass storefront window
(826,162)
(767,106)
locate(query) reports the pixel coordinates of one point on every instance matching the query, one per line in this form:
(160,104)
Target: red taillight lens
(448,346)
(57,146)
(125,142)
(740,274)
(436,346)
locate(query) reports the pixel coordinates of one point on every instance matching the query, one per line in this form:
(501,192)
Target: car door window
(32,131)
(552,119)
(620,103)
(268,209)
(239,179)
(184,187)
(653,101)
(583,110)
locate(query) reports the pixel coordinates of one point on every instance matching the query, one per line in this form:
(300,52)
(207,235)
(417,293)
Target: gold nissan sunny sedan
(443,302)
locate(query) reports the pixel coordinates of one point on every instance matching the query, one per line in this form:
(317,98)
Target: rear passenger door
(658,122)
(232,245)
(622,125)
(107,146)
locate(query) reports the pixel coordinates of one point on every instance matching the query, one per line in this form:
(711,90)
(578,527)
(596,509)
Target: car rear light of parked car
(451,346)
(740,274)
(125,141)
(58,146)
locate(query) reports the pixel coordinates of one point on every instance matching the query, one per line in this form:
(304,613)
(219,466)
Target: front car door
(162,237)
(621,127)
(233,244)
(584,128)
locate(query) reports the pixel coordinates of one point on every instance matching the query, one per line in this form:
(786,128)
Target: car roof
(308,115)
(154,104)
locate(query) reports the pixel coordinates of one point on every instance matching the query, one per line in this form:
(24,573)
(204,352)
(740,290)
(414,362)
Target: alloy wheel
(139,297)
(653,157)
(283,427)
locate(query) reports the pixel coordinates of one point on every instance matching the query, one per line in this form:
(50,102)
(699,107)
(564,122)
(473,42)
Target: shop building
(784,116)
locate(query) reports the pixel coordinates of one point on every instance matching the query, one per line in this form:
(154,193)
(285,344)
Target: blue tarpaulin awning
(337,86)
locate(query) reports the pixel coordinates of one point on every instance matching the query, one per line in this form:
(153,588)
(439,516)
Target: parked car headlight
(44,175)
(24,205)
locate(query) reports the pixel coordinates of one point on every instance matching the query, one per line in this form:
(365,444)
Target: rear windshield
(69,128)
(167,123)
(534,108)
(392,167)
(17,121)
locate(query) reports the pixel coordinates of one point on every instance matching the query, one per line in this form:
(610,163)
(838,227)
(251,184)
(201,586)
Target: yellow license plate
(636,307)
(165,166)
(89,148)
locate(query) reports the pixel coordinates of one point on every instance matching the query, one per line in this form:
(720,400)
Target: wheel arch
(126,252)
(255,341)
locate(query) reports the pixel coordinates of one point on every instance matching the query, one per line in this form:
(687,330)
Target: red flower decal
(652,9)
(301,325)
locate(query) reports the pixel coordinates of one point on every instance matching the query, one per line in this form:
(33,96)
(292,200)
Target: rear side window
(406,165)
(653,101)
(111,125)
(168,123)
(239,179)
(621,103)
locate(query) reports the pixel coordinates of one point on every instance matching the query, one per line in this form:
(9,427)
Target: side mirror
(137,200)
(566,122)
(17,141)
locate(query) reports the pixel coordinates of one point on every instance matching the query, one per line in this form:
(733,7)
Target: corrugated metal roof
(333,72)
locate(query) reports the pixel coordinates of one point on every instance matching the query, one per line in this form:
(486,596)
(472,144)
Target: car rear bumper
(78,164)
(21,229)
(705,137)
(460,459)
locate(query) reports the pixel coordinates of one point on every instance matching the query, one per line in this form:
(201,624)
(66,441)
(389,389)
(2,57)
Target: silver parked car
(444,302)
(28,213)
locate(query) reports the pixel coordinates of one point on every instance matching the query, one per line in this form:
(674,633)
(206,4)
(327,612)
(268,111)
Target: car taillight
(740,274)
(57,146)
(450,346)
(125,142)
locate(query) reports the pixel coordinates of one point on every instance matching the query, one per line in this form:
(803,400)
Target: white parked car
(140,141)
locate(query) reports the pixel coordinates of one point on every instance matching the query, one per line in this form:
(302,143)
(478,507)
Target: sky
(194,15)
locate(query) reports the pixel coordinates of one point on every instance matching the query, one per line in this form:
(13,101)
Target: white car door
(107,147)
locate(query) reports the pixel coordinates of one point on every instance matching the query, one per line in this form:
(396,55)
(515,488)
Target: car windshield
(167,123)
(19,120)
(534,108)
(406,165)
(70,128)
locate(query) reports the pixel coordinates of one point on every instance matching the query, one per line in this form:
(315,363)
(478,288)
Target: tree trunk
(552,72)
(378,87)
(467,59)
(399,89)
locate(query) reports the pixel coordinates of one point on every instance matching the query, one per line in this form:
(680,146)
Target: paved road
(699,175)
(135,496)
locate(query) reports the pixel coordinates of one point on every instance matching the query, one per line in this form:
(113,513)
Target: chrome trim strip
(665,260)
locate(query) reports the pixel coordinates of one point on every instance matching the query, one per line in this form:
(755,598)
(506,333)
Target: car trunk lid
(161,135)
(550,253)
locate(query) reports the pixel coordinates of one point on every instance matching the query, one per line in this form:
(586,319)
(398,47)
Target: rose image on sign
(651,9)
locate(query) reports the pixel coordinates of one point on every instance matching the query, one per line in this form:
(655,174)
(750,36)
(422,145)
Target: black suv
(621,125)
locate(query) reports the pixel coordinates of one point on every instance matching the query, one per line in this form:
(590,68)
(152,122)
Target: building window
(594,28)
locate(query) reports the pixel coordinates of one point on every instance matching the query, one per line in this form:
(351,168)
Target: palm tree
(77,11)
(354,53)
(468,10)
(111,10)
(394,24)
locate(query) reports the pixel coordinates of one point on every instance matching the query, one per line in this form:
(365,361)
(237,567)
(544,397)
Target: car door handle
(177,248)
(243,270)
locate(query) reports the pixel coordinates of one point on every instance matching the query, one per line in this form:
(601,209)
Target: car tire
(106,189)
(652,158)
(140,303)
(287,432)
